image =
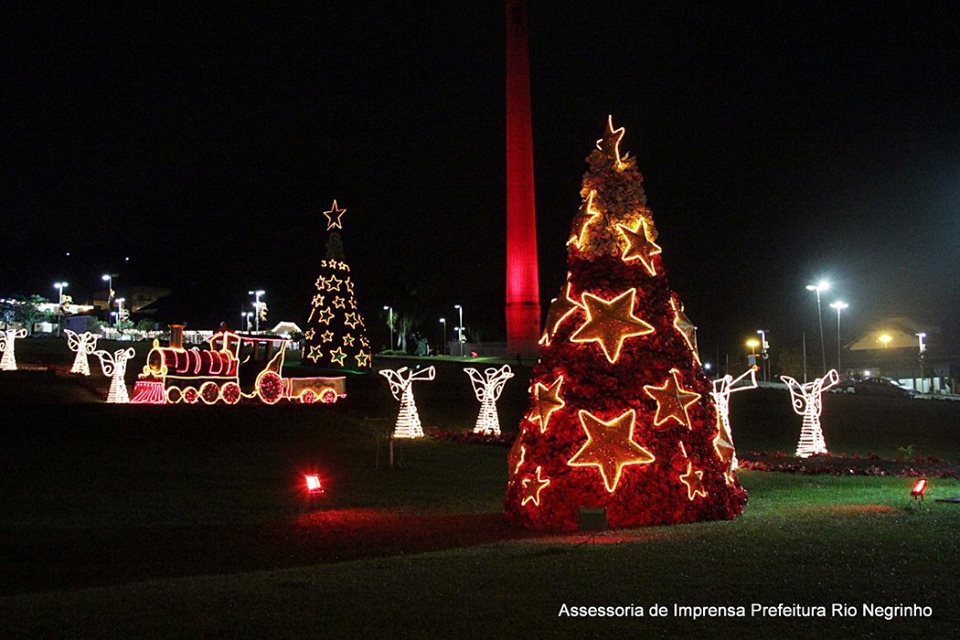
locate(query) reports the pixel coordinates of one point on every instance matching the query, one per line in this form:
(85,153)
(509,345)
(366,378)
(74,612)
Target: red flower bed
(849,465)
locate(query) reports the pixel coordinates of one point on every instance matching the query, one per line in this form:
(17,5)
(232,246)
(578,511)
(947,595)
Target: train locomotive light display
(234,367)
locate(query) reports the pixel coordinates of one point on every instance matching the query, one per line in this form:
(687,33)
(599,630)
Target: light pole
(245,320)
(59,287)
(923,349)
(460,328)
(256,308)
(839,305)
(389,311)
(108,278)
(120,302)
(753,343)
(823,285)
(443,341)
(764,345)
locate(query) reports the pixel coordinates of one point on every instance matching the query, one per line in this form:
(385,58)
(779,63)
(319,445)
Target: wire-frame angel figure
(807,401)
(8,340)
(722,389)
(401,386)
(114,366)
(488,387)
(83,344)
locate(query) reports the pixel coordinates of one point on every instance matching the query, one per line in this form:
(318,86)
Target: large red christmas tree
(620,413)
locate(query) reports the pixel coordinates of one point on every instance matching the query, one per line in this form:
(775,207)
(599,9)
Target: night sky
(779,144)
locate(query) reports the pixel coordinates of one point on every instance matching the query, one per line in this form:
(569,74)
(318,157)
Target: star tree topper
(333,216)
(609,446)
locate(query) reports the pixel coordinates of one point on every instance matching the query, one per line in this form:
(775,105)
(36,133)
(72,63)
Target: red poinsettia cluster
(620,415)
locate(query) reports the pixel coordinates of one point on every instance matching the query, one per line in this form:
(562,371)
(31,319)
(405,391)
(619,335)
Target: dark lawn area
(126,521)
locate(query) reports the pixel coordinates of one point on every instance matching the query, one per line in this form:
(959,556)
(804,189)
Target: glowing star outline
(672,401)
(317,300)
(334,215)
(609,144)
(338,356)
(639,246)
(354,322)
(309,333)
(523,454)
(532,493)
(588,213)
(321,283)
(364,342)
(325,316)
(326,336)
(362,359)
(608,322)
(560,309)
(339,303)
(348,340)
(694,481)
(333,284)
(604,440)
(686,328)
(548,401)
(315,353)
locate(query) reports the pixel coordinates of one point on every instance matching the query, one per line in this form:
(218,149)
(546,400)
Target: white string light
(8,341)
(401,386)
(807,401)
(487,388)
(722,389)
(83,344)
(115,367)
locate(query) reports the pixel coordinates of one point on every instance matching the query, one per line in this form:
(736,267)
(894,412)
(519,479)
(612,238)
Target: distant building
(907,351)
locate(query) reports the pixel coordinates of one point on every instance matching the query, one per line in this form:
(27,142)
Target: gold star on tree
(639,246)
(348,340)
(339,303)
(548,400)
(672,400)
(309,333)
(326,336)
(351,319)
(353,303)
(532,486)
(333,284)
(560,309)
(609,144)
(694,481)
(337,356)
(364,342)
(325,316)
(315,353)
(609,446)
(362,359)
(321,283)
(686,328)
(588,213)
(333,216)
(348,283)
(610,322)
(317,300)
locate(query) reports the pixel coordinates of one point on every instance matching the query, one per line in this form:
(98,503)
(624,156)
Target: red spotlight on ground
(314,486)
(918,489)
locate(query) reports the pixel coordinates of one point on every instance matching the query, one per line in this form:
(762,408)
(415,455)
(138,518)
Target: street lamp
(764,345)
(108,278)
(822,285)
(753,343)
(389,311)
(885,339)
(443,342)
(59,287)
(120,302)
(920,337)
(460,328)
(245,320)
(256,307)
(839,305)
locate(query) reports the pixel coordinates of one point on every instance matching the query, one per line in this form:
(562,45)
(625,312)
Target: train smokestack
(176,336)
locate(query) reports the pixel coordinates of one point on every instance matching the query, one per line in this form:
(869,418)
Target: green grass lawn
(124,521)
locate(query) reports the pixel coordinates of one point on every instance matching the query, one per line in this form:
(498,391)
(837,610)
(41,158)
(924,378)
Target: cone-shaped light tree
(620,413)
(336,335)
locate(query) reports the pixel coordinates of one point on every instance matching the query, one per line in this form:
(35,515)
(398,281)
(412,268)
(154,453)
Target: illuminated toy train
(234,367)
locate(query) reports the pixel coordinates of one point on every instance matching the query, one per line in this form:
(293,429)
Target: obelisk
(523,288)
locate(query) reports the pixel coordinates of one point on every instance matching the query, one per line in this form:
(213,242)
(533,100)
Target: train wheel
(209,392)
(308,397)
(190,395)
(231,393)
(174,395)
(270,387)
(328,396)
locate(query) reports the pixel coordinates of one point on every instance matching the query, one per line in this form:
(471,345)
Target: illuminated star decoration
(588,213)
(548,400)
(694,481)
(639,246)
(339,303)
(325,315)
(326,336)
(609,144)
(352,319)
(560,309)
(362,359)
(672,401)
(610,322)
(333,284)
(532,487)
(686,328)
(309,333)
(337,356)
(609,446)
(315,353)
(333,216)
(348,340)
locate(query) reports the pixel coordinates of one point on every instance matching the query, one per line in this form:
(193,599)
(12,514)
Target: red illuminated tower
(523,287)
